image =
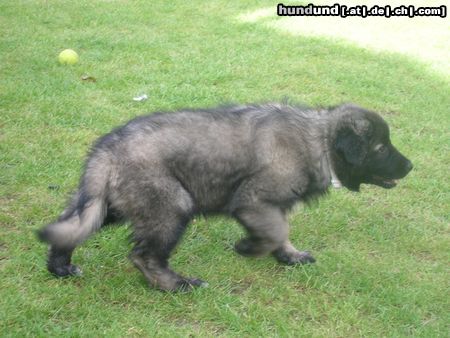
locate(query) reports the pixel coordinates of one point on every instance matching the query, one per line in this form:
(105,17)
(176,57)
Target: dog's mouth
(383,182)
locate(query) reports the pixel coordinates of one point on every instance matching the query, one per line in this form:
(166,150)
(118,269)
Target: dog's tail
(84,215)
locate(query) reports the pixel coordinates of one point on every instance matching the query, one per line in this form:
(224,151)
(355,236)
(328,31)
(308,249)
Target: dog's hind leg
(76,224)
(59,262)
(157,229)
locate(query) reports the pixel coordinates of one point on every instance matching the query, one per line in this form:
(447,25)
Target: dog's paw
(65,270)
(188,284)
(292,258)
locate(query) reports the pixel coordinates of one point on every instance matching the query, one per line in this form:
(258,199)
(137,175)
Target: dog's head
(362,151)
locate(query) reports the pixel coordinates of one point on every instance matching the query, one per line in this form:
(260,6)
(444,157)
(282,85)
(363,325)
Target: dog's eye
(382,149)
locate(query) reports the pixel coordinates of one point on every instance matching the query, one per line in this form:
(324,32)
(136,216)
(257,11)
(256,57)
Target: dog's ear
(352,141)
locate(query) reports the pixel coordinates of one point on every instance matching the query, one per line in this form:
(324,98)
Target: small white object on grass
(140,98)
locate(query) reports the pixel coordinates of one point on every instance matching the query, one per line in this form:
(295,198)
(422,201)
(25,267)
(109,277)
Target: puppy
(252,162)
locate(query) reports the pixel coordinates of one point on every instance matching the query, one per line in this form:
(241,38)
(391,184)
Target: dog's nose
(408,166)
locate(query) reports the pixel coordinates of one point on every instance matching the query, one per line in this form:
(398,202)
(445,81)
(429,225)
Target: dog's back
(209,152)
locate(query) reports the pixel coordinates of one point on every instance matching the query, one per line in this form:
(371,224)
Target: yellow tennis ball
(68,57)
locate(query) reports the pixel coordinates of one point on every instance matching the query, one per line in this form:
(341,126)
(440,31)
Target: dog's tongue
(389,183)
(386,183)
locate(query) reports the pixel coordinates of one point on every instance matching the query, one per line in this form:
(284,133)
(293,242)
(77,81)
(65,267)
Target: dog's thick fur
(252,162)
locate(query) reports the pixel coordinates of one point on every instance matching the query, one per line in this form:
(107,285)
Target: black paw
(292,258)
(188,284)
(65,270)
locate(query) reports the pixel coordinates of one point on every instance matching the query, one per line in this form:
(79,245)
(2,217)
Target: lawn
(382,256)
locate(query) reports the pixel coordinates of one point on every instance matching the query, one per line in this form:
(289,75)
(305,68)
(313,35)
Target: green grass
(382,256)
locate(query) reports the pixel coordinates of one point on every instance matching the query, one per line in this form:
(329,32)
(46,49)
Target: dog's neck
(328,146)
(328,168)
(335,182)
(321,124)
